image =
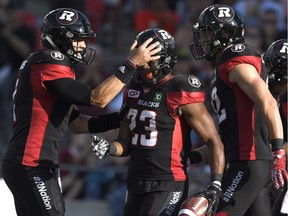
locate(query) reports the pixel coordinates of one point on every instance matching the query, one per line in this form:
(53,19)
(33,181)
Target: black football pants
(36,191)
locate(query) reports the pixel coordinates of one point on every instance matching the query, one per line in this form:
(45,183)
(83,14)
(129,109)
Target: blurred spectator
(270,22)
(156,14)
(254,34)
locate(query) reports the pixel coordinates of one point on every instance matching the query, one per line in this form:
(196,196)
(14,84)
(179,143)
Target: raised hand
(145,53)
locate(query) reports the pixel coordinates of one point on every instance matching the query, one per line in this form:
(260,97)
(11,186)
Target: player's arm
(247,78)
(75,92)
(202,123)
(87,124)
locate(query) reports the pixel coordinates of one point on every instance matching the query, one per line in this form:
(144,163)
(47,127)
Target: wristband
(125,72)
(216,177)
(112,149)
(277,144)
(195,157)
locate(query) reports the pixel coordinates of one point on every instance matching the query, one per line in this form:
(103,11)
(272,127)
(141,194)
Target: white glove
(99,146)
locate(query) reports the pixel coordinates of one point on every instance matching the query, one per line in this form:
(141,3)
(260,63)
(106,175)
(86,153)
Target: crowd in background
(116,23)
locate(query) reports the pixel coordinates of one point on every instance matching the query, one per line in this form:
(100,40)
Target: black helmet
(276,62)
(61,26)
(159,68)
(218,27)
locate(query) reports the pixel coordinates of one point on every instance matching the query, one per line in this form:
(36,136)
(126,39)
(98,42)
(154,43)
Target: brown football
(194,206)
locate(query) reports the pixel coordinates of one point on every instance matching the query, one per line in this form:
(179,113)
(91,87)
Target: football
(194,206)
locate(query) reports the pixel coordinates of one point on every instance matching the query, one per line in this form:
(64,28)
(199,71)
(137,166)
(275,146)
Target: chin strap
(51,42)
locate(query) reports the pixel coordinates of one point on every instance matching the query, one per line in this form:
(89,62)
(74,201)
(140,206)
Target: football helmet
(218,27)
(275,59)
(159,68)
(61,27)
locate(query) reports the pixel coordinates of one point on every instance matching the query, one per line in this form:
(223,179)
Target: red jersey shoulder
(187,83)
(49,56)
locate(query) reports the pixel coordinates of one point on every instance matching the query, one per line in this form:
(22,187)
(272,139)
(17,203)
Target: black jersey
(158,131)
(40,118)
(283,114)
(242,127)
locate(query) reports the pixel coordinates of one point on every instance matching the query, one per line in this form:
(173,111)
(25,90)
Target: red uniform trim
(43,102)
(244,105)
(174,100)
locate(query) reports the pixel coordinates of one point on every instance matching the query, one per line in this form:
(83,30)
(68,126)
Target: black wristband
(125,72)
(195,157)
(112,149)
(277,144)
(216,177)
(104,123)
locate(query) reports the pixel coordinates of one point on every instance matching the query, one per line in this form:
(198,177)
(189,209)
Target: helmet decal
(164,35)
(224,13)
(283,49)
(67,17)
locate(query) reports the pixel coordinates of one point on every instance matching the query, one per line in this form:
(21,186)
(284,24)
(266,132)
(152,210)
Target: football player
(45,96)
(247,112)
(275,59)
(161,110)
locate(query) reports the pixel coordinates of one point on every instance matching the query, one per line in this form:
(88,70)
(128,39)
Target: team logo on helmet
(193,81)
(223,13)
(283,49)
(57,55)
(164,35)
(67,17)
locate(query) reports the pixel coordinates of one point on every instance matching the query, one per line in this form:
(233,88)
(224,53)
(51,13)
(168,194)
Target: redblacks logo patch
(193,81)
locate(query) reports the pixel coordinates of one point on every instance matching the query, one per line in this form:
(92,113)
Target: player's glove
(278,168)
(99,146)
(213,193)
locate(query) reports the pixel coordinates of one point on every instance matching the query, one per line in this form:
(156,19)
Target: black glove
(99,146)
(213,194)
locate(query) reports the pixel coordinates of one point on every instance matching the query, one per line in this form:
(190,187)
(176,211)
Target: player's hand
(143,54)
(278,168)
(213,193)
(99,146)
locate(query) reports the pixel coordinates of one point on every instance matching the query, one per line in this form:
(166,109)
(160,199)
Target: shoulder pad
(187,83)
(50,56)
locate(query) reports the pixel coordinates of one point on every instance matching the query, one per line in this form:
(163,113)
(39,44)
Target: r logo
(67,17)
(238,47)
(284,49)
(57,55)
(224,13)
(193,81)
